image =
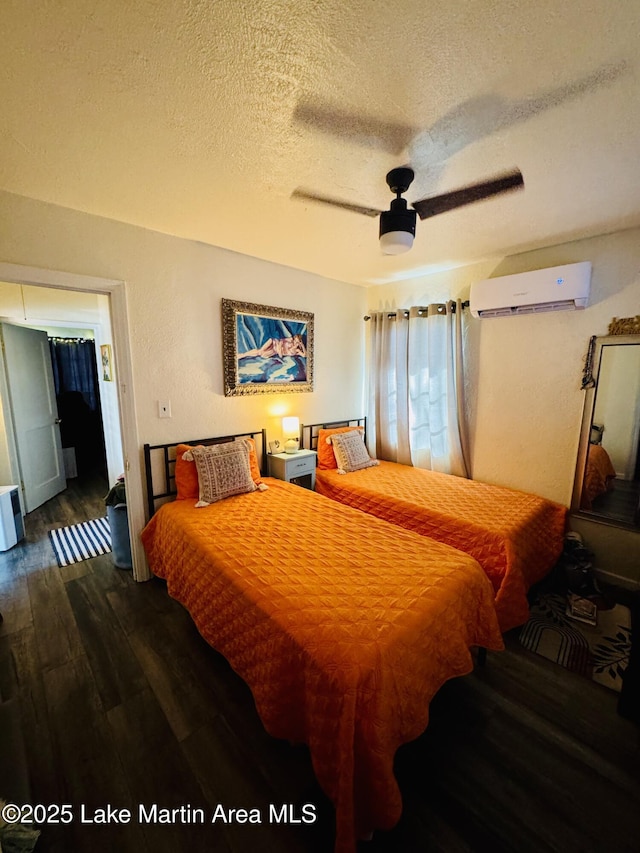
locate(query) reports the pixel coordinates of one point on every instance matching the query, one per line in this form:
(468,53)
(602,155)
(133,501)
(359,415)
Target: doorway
(120,391)
(55,401)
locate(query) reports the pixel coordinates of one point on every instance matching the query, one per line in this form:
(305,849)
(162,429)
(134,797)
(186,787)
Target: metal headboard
(309,432)
(160,463)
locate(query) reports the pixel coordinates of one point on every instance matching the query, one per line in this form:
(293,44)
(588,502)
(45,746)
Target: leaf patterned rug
(600,651)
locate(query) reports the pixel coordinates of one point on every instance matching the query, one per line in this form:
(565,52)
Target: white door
(34,412)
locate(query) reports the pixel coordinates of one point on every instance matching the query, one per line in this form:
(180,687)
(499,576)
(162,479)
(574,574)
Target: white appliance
(551,289)
(11,525)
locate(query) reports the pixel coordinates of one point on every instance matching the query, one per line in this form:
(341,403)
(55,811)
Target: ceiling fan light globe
(396,242)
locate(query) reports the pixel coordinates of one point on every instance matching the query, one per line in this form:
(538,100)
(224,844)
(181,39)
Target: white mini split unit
(553,289)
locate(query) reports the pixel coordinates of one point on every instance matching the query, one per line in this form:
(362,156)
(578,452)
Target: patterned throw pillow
(326,456)
(186,473)
(223,471)
(351,453)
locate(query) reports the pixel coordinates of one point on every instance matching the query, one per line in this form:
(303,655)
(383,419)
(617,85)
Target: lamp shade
(291,427)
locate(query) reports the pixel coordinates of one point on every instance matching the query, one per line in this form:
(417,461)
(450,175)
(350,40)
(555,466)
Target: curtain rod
(424,309)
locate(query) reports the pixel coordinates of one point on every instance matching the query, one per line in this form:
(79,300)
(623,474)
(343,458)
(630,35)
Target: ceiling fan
(398,224)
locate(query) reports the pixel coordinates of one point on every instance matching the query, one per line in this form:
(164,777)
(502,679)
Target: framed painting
(266,349)
(107,362)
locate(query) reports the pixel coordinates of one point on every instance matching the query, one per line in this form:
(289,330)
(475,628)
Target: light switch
(164,409)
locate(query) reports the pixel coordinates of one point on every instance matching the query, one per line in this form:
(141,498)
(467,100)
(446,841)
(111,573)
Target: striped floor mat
(81,541)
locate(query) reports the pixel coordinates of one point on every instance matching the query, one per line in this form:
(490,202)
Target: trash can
(116,503)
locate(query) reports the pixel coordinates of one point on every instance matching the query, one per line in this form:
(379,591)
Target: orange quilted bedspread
(516,537)
(343,626)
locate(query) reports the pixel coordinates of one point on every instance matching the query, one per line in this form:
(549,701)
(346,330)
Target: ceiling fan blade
(427,207)
(303,195)
(391,136)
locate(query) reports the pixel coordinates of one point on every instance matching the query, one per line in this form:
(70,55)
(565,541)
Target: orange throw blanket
(516,537)
(343,626)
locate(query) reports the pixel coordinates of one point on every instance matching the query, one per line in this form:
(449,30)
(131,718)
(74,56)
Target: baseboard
(617,580)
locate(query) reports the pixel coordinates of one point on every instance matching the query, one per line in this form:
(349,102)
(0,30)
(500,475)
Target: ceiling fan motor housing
(399,180)
(398,218)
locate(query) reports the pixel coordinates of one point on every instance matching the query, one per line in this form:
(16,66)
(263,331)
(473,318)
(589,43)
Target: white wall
(174,291)
(109,396)
(8,459)
(524,403)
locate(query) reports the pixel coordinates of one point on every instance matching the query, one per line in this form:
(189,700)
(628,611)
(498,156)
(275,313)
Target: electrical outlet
(164,409)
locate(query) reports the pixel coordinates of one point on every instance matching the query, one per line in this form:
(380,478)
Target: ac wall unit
(553,289)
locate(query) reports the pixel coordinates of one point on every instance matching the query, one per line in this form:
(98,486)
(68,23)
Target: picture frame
(266,350)
(106,362)
(275,446)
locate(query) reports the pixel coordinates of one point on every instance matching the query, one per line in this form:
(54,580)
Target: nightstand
(292,467)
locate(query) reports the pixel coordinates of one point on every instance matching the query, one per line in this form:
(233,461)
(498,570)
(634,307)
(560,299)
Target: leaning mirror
(607,484)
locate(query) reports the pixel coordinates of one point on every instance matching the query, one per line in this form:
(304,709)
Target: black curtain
(75,368)
(75,374)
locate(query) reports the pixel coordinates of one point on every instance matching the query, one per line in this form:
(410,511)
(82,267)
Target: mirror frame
(623,339)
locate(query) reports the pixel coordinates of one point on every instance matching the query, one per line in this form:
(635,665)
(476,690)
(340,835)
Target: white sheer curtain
(416,406)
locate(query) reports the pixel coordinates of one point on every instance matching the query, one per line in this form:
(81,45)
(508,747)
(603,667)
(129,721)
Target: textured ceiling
(199,118)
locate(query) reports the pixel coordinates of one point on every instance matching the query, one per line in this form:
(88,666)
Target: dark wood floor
(621,503)
(124,704)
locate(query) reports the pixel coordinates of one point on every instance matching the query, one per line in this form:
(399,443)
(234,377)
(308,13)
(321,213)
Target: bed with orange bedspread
(516,537)
(344,629)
